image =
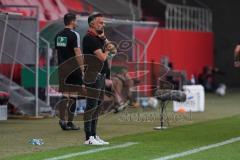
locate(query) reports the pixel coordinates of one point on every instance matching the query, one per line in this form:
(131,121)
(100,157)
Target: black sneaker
(64,126)
(72,126)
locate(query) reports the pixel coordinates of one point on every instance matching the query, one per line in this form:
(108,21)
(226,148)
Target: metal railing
(35,41)
(188,18)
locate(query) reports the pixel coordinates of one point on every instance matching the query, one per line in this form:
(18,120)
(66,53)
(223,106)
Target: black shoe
(64,125)
(72,126)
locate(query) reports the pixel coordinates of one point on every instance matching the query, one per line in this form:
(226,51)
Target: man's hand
(111,47)
(79,58)
(102,36)
(237,64)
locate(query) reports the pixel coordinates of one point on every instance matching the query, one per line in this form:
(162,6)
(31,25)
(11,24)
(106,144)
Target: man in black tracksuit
(67,44)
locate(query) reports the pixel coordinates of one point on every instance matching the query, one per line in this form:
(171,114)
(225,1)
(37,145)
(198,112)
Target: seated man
(208,79)
(121,84)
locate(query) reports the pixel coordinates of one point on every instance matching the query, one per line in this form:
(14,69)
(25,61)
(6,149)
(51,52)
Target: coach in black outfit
(97,47)
(67,44)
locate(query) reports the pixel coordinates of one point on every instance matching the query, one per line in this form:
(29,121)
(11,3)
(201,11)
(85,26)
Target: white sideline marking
(200,149)
(92,151)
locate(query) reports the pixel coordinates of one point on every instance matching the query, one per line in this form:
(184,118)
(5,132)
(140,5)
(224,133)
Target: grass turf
(15,134)
(161,143)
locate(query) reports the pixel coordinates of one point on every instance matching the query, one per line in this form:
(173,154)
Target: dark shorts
(68,83)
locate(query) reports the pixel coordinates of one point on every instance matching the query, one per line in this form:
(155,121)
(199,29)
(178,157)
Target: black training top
(90,44)
(65,42)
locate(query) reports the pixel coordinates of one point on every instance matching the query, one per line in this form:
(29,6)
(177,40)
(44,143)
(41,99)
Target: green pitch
(157,144)
(132,140)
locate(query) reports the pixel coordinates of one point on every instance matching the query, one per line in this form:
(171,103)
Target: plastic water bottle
(144,102)
(81,105)
(193,81)
(36,142)
(110,55)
